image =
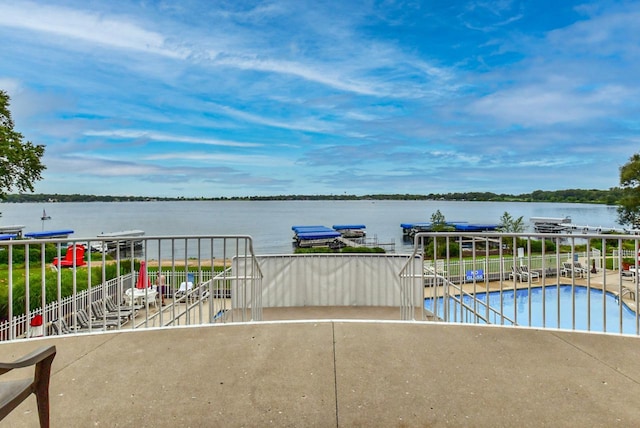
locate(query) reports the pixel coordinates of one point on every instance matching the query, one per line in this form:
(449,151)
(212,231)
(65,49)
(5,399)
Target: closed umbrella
(143,278)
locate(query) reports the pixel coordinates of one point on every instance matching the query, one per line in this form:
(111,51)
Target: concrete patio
(332,373)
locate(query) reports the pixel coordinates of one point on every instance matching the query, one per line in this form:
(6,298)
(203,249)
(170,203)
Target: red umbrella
(143,278)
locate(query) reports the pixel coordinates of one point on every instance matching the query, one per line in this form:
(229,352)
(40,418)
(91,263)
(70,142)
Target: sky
(221,98)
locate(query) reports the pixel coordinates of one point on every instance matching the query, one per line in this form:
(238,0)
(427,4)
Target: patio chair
(99,313)
(525,273)
(185,289)
(515,274)
(96,324)
(140,297)
(73,251)
(113,307)
(567,269)
(580,270)
(12,393)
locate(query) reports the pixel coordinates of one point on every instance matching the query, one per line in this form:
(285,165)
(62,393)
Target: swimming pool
(526,309)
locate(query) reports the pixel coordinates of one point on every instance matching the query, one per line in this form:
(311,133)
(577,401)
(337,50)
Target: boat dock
(338,236)
(410,229)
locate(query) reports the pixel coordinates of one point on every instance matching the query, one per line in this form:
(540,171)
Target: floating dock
(315,236)
(410,229)
(119,240)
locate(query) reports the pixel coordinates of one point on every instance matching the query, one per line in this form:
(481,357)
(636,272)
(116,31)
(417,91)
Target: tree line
(592,196)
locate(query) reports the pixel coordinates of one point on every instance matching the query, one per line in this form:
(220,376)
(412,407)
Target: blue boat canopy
(7,236)
(318,235)
(348,226)
(310,229)
(295,228)
(49,234)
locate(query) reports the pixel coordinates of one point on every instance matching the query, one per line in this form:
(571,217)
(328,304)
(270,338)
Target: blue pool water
(527,309)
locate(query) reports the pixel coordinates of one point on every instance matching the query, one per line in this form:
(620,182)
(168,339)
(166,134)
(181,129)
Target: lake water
(269,222)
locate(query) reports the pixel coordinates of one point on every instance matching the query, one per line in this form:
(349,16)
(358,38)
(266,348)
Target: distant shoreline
(587,196)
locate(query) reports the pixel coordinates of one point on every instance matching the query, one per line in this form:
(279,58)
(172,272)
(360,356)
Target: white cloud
(222,158)
(113,32)
(155,136)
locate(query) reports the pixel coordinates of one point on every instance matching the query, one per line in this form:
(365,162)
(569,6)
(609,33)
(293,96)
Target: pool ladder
(624,292)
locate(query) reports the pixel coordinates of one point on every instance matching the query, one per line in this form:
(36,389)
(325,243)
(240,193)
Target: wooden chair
(12,393)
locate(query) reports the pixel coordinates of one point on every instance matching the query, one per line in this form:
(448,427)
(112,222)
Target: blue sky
(239,98)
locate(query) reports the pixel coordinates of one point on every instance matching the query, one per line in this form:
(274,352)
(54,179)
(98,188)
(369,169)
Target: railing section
(556,281)
(119,283)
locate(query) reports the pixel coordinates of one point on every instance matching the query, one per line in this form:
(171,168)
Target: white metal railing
(538,280)
(232,284)
(196,270)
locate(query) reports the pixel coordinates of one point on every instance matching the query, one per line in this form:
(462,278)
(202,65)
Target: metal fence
(38,291)
(585,282)
(212,279)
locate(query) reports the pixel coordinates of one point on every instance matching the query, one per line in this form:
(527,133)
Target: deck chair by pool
(13,393)
(86,322)
(580,270)
(114,308)
(76,251)
(185,288)
(60,326)
(525,274)
(567,269)
(100,314)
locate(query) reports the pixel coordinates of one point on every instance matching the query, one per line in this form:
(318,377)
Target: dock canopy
(349,226)
(62,233)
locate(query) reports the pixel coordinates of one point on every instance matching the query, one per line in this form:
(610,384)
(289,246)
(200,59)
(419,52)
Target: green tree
(629,204)
(20,162)
(508,224)
(438,222)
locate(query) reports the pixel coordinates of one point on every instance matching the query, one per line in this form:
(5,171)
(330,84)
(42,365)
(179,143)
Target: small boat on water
(45,216)
(551,224)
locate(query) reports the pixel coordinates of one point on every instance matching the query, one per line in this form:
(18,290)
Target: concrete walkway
(338,374)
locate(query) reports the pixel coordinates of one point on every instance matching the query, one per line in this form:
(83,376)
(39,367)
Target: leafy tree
(629,205)
(438,222)
(510,225)
(20,164)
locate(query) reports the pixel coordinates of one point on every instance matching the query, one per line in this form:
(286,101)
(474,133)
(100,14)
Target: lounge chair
(525,273)
(515,274)
(60,327)
(580,270)
(185,288)
(571,269)
(76,252)
(12,393)
(100,314)
(567,269)
(87,323)
(113,307)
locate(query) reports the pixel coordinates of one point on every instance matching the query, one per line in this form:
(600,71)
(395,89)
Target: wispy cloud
(305,97)
(130,134)
(112,31)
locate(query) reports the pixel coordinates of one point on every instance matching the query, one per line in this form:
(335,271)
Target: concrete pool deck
(335,373)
